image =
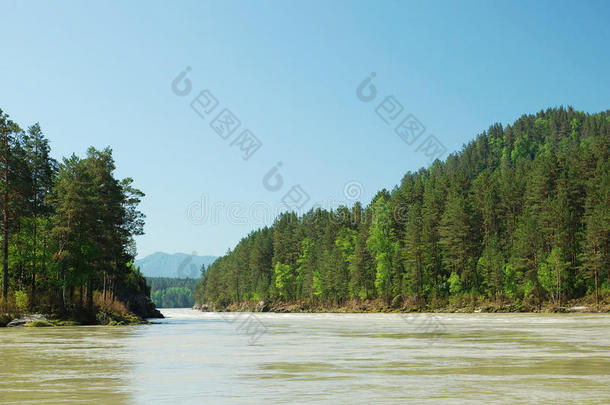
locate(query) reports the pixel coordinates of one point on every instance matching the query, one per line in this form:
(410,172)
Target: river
(194,358)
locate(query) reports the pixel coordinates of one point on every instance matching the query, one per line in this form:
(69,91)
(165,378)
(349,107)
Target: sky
(312,132)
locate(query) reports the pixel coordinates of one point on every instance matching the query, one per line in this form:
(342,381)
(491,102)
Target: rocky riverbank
(102,317)
(379,306)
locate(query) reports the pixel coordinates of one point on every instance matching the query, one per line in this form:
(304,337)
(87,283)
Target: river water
(195,358)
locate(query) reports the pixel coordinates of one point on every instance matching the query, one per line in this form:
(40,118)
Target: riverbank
(102,317)
(132,309)
(380,306)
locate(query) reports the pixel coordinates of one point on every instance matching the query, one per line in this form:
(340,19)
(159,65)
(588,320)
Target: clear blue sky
(100,74)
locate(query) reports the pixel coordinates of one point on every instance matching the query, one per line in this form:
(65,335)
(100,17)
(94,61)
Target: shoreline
(134,310)
(102,318)
(375,306)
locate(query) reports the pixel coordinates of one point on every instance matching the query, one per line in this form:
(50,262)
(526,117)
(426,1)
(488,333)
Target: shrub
(455,284)
(109,304)
(113,312)
(21,300)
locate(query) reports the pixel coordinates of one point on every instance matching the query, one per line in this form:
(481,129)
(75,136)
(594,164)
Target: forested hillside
(172,292)
(519,215)
(67,228)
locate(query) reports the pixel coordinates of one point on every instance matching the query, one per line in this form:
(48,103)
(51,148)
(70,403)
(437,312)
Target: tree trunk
(559,286)
(5,246)
(35,233)
(5,223)
(104,295)
(596,289)
(63,285)
(33,279)
(111,288)
(90,294)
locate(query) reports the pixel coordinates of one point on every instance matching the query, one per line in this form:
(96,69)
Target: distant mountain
(178,265)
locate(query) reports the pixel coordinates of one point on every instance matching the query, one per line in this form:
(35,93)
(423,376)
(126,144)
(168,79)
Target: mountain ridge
(173,265)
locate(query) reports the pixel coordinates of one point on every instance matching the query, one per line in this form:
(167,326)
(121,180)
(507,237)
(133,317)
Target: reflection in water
(194,357)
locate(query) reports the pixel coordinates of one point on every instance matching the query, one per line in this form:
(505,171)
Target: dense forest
(519,215)
(67,228)
(172,292)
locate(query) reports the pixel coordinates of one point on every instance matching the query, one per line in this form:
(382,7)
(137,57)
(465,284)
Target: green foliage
(455,284)
(318,284)
(529,288)
(172,292)
(510,281)
(134,281)
(546,277)
(382,244)
(491,268)
(306,269)
(173,297)
(551,274)
(69,226)
(521,149)
(284,280)
(21,300)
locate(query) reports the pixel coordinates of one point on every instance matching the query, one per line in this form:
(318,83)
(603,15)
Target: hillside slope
(520,215)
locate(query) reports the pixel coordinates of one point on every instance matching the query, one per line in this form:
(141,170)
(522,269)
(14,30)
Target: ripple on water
(195,357)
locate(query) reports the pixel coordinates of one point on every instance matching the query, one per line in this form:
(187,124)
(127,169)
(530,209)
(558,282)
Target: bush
(113,312)
(21,300)
(109,304)
(455,284)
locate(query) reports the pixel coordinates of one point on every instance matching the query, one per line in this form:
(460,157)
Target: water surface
(193,357)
